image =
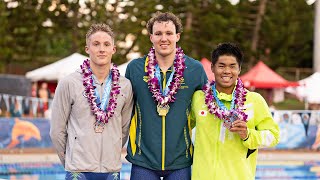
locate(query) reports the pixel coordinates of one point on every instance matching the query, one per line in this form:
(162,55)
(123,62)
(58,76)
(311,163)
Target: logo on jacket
(203,113)
(183,84)
(145,78)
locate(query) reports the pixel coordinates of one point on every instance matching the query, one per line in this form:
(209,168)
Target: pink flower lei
(153,83)
(102,116)
(226,115)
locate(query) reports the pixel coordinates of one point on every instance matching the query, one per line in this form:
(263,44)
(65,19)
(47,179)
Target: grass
(290,104)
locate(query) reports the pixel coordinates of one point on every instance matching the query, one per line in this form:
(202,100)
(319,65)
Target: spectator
(15,109)
(44,95)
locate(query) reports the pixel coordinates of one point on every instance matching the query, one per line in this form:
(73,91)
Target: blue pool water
(265,170)
(289,170)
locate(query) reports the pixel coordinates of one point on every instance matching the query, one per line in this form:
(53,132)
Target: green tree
(287,30)
(40,32)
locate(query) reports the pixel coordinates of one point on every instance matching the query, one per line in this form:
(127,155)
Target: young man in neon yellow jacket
(232,122)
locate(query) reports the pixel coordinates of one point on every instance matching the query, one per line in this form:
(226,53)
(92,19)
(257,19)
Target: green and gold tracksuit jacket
(162,143)
(221,154)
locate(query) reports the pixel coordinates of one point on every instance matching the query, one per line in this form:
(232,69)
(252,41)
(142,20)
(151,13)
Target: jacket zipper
(101,94)
(186,140)
(163,127)
(101,152)
(140,124)
(216,152)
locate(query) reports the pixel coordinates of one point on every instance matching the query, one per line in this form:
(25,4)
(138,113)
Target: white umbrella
(57,70)
(308,90)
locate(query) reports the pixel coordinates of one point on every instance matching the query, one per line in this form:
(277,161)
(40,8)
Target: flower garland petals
(153,83)
(228,116)
(102,116)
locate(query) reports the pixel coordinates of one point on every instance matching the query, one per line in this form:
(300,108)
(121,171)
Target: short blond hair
(99,27)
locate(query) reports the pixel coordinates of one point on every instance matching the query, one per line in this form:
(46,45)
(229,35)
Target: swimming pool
(265,170)
(288,170)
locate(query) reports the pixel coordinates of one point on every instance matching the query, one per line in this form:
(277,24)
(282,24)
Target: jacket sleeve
(203,78)
(61,108)
(193,107)
(126,113)
(266,131)
(127,74)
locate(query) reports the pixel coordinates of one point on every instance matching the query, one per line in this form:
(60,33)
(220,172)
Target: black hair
(227,48)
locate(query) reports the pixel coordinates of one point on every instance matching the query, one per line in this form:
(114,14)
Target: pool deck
(264,157)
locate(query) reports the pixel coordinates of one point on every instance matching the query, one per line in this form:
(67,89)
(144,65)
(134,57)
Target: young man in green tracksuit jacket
(231,122)
(163,84)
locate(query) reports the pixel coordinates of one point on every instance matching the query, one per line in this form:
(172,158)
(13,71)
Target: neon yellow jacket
(221,154)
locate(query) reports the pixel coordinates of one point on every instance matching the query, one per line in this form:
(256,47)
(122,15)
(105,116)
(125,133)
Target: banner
(298,130)
(23,133)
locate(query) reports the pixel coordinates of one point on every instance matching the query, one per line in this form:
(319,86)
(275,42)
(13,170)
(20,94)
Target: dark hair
(227,48)
(164,17)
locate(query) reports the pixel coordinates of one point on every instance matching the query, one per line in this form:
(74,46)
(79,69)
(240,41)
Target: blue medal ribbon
(233,115)
(106,93)
(219,103)
(158,76)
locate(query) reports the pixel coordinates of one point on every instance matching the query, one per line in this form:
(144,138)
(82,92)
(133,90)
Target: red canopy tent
(261,76)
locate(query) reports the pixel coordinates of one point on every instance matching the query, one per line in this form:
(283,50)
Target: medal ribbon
(233,114)
(158,76)
(106,93)
(219,103)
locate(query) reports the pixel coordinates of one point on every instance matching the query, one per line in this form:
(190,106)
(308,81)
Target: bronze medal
(98,128)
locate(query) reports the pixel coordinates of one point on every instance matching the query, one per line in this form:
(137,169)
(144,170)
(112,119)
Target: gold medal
(163,109)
